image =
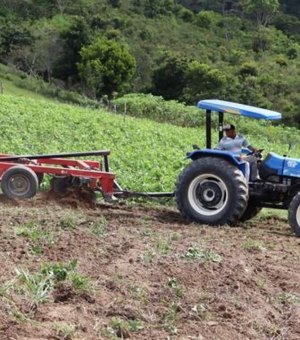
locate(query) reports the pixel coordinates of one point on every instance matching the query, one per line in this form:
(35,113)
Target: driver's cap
(228,127)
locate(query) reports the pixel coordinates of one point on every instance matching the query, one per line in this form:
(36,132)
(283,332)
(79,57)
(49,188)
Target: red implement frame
(53,164)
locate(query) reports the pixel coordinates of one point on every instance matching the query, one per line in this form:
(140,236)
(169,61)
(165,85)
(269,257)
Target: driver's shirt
(233,144)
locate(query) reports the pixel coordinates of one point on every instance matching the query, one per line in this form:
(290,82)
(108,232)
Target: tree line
(242,50)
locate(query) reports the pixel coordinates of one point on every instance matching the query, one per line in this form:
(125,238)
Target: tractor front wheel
(211,191)
(19,182)
(294,214)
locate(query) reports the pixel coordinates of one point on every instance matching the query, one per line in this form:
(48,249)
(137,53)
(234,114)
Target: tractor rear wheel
(211,191)
(251,211)
(294,214)
(19,182)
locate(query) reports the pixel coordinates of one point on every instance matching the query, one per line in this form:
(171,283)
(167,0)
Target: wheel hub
(19,184)
(209,193)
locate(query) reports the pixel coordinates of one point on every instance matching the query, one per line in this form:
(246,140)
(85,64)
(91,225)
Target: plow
(21,176)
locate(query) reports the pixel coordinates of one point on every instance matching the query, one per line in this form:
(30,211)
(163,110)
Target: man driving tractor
(234,142)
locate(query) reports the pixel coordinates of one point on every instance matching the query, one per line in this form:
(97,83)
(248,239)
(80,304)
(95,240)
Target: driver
(234,142)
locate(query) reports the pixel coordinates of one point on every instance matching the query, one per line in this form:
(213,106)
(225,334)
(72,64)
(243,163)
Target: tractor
(216,189)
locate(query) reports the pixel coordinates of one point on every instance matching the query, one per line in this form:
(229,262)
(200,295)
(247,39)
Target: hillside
(184,50)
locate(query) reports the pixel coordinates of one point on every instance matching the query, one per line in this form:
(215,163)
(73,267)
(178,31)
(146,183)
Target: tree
(155,8)
(13,35)
(62,5)
(203,81)
(114,3)
(106,66)
(169,77)
(73,39)
(48,47)
(263,10)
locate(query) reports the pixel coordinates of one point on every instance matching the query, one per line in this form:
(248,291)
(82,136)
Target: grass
(140,294)
(99,227)
(37,236)
(36,287)
(254,246)
(278,213)
(68,222)
(170,318)
(174,283)
(287,298)
(204,255)
(64,331)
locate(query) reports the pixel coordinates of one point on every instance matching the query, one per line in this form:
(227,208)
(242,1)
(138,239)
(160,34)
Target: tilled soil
(148,273)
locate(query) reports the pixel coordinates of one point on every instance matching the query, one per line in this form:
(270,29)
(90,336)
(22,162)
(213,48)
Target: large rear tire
(211,191)
(294,214)
(19,182)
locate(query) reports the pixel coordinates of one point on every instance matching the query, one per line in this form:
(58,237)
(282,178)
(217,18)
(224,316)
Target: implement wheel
(294,214)
(211,191)
(19,182)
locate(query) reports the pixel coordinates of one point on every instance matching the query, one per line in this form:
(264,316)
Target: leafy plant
(122,328)
(176,286)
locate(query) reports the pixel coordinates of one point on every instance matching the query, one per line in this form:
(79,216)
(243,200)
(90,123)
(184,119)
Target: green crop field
(145,155)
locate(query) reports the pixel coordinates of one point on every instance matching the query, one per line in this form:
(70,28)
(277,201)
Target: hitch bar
(125,194)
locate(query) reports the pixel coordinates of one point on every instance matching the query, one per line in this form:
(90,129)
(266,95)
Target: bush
(160,110)
(206,19)
(248,69)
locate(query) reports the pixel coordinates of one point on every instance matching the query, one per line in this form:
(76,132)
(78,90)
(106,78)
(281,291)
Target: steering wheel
(248,152)
(257,153)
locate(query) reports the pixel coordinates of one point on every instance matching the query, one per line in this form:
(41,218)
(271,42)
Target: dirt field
(143,273)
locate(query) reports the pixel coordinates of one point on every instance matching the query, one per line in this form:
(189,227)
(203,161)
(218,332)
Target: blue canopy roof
(238,109)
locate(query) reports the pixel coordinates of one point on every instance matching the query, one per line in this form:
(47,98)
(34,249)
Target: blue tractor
(215,188)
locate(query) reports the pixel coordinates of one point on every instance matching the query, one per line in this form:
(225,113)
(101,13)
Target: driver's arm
(247,145)
(252,148)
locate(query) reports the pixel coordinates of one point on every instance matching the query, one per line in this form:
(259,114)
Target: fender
(229,156)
